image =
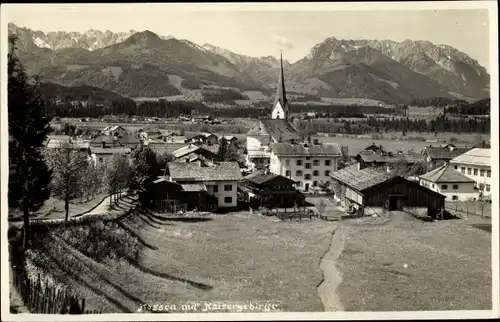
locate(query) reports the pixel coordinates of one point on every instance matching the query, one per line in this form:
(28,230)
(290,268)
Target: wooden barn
(357,189)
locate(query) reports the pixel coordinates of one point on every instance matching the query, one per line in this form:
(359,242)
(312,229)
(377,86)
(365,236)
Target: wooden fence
(45,299)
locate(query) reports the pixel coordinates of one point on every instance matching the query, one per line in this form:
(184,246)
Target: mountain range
(144,64)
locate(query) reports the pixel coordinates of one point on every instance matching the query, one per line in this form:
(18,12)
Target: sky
(269,29)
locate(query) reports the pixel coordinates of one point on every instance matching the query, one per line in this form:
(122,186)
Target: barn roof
(193,187)
(330,149)
(361,179)
(445,173)
(164,147)
(119,150)
(185,150)
(223,171)
(260,177)
(474,156)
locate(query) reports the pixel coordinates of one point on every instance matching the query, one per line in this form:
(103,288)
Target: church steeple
(280,109)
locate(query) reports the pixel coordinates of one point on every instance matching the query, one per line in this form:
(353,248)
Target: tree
(93,180)
(117,176)
(162,159)
(69,166)
(223,149)
(144,166)
(29,176)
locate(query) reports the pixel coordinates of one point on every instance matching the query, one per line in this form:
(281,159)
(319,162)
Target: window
(316,163)
(327,173)
(308,166)
(462,169)
(456,167)
(315,173)
(444,186)
(228,187)
(433,185)
(481,172)
(455,186)
(299,183)
(476,171)
(308,158)
(327,163)
(228,199)
(488,188)
(454,198)
(469,171)
(101,160)
(298,173)
(488,173)
(315,183)
(287,162)
(287,173)
(216,188)
(299,162)
(307,177)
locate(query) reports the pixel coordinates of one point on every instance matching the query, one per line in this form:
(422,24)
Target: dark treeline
(481,107)
(373,125)
(456,106)
(159,108)
(436,101)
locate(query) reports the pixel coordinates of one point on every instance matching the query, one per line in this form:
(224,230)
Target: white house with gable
(475,164)
(451,183)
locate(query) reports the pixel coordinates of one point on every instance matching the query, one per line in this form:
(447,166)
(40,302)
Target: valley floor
(398,263)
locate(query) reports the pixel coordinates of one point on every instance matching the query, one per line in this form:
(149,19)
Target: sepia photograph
(264,161)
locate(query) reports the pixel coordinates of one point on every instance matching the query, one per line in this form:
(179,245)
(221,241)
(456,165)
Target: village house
(230,139)
(115,130)
(309,165)
(436,156)
(204,138)
(267,131)
(476,164)
(374,156)
(450,183)
(102,156)
(201,118)
(357,188)
(220,179)
(264,188)
(187,152)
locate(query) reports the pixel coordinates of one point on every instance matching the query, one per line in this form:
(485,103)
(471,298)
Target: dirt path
(331,275)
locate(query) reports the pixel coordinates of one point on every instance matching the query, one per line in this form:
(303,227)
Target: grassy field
(238,257)
(407,264)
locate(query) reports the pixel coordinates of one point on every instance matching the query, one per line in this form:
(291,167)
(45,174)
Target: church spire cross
(281,91)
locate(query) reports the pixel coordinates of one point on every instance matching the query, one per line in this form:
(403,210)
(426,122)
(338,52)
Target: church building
(276,145)
(276,129)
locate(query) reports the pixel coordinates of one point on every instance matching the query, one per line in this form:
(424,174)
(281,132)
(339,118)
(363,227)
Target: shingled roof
(278,129)
(330,149)
(445,153)
(260,177)
(475,156)
(361,179)
(445,173)
(223,171)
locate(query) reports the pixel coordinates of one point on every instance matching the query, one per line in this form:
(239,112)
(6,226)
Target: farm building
(271,190)
(116,130)
(436,156)
(357,188)
(187,152)
(204,138)
(385,159)
(166,196)
(451,183)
